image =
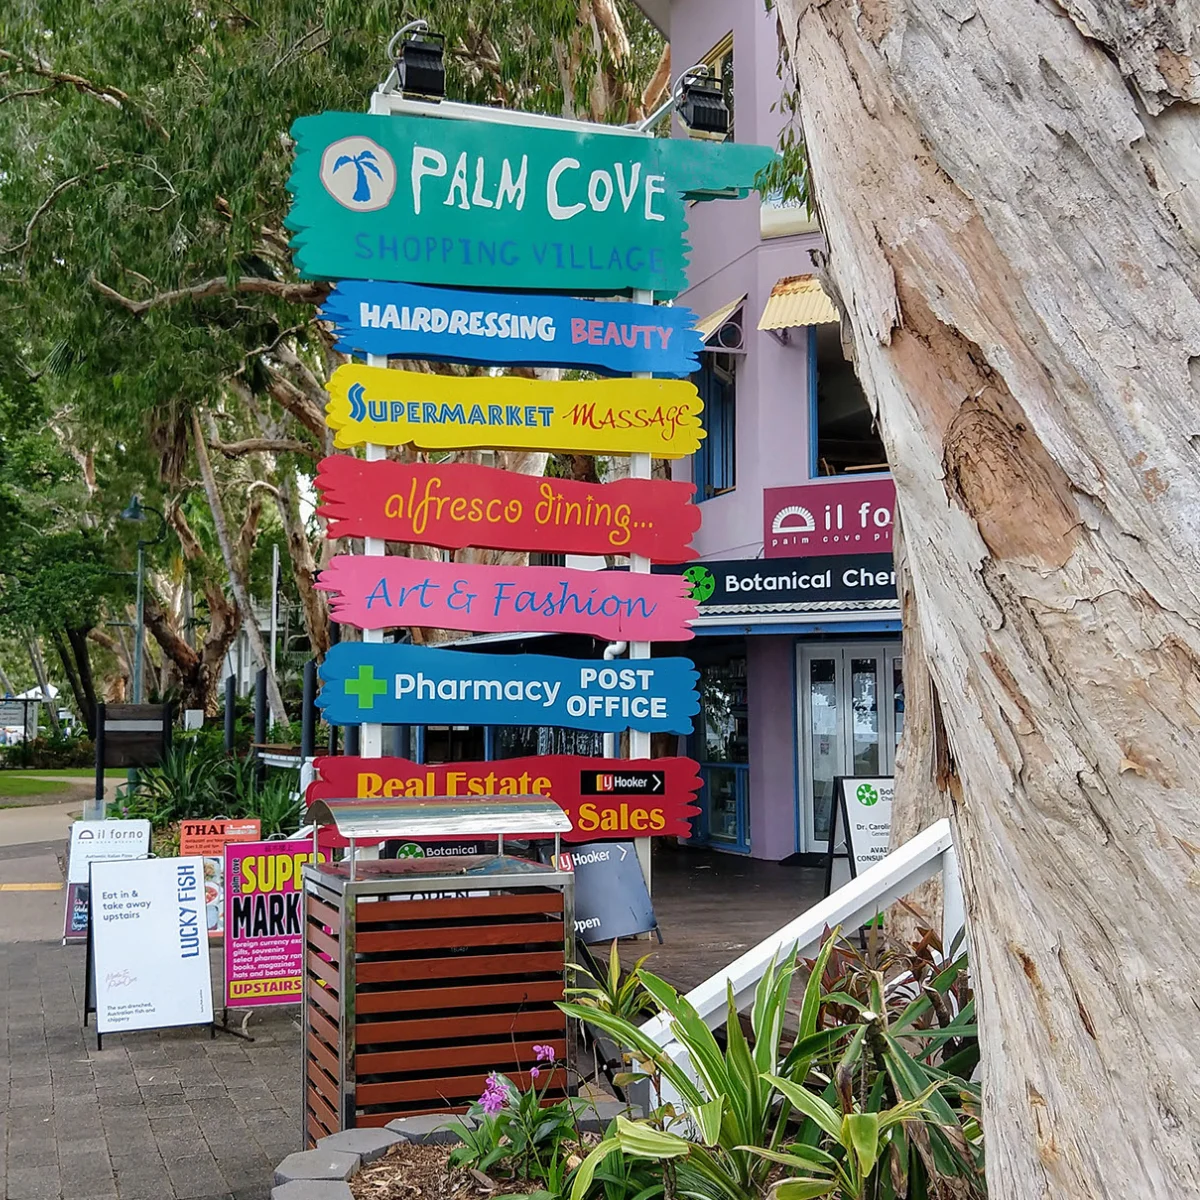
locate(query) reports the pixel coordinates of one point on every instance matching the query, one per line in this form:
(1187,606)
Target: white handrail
(919,859)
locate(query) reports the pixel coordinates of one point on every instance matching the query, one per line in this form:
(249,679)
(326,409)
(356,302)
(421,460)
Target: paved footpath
(152,1116)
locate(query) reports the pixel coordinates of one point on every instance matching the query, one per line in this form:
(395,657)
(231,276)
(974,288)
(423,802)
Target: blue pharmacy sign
(414,685)
(446,325)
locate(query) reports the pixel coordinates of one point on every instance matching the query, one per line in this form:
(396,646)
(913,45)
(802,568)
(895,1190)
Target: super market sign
(385,198)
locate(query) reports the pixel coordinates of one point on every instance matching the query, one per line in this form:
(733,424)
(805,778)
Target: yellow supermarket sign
(660,417)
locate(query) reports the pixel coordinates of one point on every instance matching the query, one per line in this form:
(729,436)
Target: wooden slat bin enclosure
(422,977)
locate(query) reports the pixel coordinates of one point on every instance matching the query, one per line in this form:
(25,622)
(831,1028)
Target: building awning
(797,301)
(714,321)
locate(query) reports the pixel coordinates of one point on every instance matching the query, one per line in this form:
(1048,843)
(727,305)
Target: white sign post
(149,946)
(90,842)
(860,827)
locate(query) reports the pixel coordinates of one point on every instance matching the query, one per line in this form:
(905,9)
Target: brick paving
(152,1115)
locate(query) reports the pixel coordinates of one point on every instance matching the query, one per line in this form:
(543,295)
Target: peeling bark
(1009,193)
(235,558)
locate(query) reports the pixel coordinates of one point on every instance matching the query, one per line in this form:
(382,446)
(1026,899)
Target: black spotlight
(702,105)
(420,68)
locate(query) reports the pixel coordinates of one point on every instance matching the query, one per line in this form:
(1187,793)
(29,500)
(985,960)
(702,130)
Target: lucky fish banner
(604,797)
(384,593)
(447,412)
(474,204)
(415,685)
(454,505)
(447,325)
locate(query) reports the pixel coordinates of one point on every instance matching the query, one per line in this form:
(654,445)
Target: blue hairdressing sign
(414,685)
(411,321)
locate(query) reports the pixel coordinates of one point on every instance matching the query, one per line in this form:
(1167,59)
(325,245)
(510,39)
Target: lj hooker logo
(831,518)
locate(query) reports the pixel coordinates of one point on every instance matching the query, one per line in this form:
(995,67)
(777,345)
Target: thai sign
(790,582)
(829,518)
(458,504)
(209,838)
(447,412)
(410,321)
(413,685)
(603,797)
(264,942)
(383,593)
(472,204)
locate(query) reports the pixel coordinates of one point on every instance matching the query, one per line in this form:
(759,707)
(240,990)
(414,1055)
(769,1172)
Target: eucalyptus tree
(144,155)
(1008,191)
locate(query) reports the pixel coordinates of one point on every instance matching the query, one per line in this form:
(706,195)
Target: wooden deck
(713,907)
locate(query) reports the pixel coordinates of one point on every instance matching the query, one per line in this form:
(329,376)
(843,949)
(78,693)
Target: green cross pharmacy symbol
(366,687)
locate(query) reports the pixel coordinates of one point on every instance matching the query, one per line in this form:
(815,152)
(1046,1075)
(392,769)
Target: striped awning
(715,320)
(796,301)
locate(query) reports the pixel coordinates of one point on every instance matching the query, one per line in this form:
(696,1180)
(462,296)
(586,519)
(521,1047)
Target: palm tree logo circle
(703,583)
(358,173)
(867,795)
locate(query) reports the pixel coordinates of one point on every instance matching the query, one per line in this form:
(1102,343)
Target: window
(546,558)
(719,61)
(714,464)
(847,439)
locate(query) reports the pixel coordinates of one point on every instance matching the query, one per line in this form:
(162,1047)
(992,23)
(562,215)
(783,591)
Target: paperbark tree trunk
(234,567)
(1010,196)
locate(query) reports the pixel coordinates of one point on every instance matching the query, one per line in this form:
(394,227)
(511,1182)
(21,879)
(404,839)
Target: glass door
(723,748)
(850,715)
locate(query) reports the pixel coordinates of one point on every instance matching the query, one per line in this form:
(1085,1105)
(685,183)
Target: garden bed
(412,1171)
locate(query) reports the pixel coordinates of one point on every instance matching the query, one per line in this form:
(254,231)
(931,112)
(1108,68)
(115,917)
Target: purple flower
(494,1096)
(534,1072)
(545,1054)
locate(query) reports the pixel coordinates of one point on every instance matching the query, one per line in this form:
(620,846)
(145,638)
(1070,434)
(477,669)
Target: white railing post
(954,906)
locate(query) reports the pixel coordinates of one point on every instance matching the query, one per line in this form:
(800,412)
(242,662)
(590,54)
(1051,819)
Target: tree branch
(264,446)
(110,95)
(46,205)
(297,293)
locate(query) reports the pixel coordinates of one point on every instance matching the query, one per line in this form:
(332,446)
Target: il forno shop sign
(829,518)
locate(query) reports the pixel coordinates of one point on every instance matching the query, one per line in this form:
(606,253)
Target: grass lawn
(57,772)
(14,784)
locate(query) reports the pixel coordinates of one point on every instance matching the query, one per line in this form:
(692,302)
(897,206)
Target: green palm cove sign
(419,199)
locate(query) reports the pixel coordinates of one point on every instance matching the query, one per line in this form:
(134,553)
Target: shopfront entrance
(850,715)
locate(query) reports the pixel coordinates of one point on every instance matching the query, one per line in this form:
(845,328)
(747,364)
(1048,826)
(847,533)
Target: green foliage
(51,752)
(865,1102)
(616,992)
(196,779)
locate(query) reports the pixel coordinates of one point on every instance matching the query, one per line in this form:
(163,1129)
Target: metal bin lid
(441,816)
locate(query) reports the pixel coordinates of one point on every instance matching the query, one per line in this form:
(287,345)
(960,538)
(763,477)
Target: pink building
(800,646)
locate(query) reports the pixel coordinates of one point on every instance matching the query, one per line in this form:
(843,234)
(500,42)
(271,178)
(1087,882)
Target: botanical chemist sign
(603,797)
(411,685)
(458,504)
(383,593)
(446,412)
(409,321)
(791,582)
(473,204)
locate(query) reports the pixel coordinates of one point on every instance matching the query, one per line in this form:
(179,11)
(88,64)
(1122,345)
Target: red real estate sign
(604,797)
(381,593)
(829,518)
(454,505)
